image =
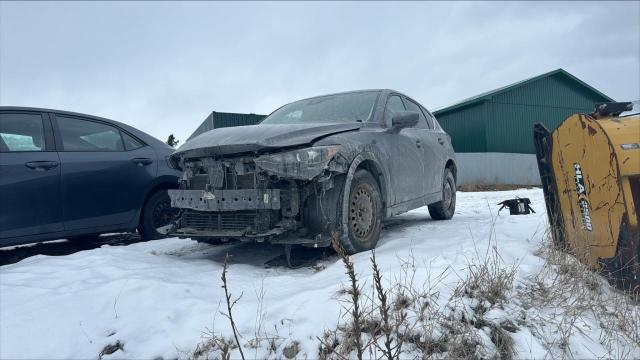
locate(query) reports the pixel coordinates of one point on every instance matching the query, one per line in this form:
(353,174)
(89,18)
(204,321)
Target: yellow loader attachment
(590,172)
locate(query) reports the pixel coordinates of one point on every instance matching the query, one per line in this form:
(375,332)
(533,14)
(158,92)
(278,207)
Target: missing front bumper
(226,200)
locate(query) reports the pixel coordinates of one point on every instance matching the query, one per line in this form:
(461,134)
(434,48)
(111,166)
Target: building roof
(224,119)
(489,94)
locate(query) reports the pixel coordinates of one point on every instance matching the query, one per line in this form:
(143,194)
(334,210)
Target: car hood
(258,138)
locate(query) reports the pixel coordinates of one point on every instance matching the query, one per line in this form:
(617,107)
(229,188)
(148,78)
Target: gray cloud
(163,67)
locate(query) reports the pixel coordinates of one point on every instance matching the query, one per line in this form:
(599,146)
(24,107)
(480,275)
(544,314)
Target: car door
(441,143)
(431,150)
(106,172)
(405,163)
(30,201)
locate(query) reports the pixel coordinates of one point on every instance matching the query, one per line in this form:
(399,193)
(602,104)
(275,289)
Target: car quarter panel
(103,188)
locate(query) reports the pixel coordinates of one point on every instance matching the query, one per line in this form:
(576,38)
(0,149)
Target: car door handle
(41,165)
(418,143)
(440,141)
(142,161)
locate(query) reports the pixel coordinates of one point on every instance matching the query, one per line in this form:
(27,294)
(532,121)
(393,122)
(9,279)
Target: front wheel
(444,209)
(364,214)
(156,217)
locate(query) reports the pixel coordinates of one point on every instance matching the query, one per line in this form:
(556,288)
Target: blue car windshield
(339,108)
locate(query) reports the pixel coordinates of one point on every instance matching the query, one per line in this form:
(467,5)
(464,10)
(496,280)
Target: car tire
(157,212)
(364,214)
(444,209)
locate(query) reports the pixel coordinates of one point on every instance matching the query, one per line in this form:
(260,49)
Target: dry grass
(383,308)
(230,304)
(567,294)
(399,318)
(410,320)
(214,348)
(354,326)
(503,342)
(489,279)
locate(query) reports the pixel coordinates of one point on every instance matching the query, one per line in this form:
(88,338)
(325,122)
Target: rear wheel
(444,209)
(364,214)
(156,216)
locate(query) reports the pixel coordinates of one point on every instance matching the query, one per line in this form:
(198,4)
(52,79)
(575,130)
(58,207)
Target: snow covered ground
(162,298)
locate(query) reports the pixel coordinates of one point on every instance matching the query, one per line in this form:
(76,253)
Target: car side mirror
(404,119)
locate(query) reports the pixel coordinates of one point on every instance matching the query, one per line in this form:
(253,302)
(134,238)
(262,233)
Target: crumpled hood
(254,138)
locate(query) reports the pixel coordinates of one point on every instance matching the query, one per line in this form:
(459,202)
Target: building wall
(497,168)
(504,122)
(466,128)
(550,100)
(233,119)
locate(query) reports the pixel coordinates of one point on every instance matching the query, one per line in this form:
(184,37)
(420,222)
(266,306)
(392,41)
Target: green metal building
(502,120)
(221,119)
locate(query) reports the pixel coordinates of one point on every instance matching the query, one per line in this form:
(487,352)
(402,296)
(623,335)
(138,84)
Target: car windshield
(339,108)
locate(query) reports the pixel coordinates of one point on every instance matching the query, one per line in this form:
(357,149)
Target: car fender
(380,176)
(452,161)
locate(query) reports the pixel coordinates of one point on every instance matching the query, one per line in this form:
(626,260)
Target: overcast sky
(163,67)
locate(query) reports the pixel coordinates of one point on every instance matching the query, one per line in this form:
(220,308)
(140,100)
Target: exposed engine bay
(271,197)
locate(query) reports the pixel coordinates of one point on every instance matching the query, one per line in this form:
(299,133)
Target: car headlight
(299,164)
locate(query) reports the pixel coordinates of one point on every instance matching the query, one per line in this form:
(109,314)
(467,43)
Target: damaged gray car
(334,164)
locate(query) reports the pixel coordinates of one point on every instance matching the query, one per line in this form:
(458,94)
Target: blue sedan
(70,175)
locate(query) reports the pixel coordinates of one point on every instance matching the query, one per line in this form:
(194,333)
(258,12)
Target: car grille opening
(232,220)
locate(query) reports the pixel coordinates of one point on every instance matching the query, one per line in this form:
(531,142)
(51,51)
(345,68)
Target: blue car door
(30,201)
(106,172)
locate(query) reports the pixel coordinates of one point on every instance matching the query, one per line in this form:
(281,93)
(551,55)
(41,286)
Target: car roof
(383,92)
(63,112)
(348,92)
(150,140)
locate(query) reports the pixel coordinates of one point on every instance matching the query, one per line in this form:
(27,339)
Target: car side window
(85,135)
(21,132)
(431,120)
(422,121)
(131,143)
(394,105)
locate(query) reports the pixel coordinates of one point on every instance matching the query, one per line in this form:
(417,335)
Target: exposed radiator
(234,220)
